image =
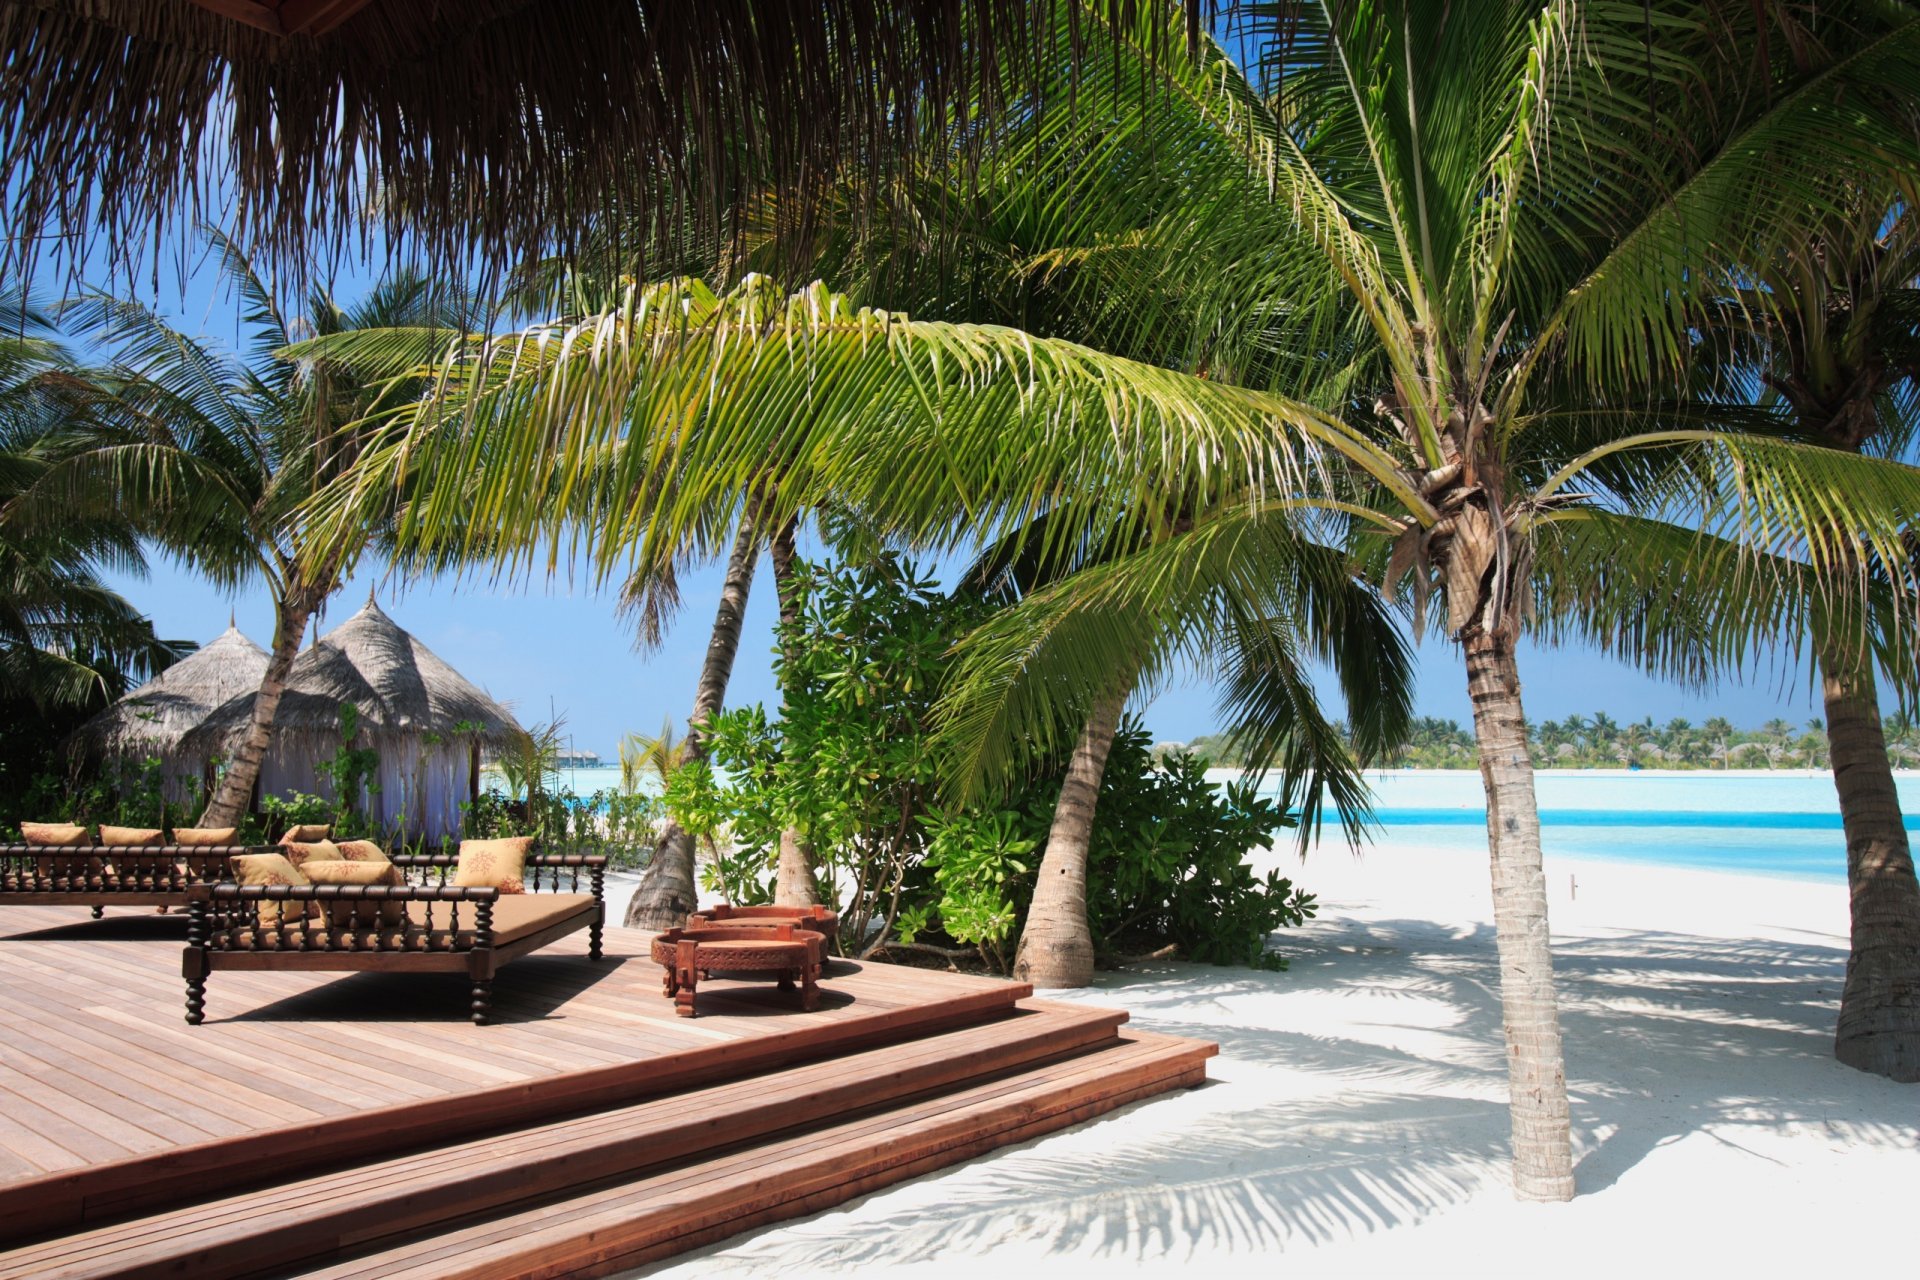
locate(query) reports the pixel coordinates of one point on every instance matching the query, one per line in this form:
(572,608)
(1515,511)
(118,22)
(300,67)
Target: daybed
(426,924)
(109,875)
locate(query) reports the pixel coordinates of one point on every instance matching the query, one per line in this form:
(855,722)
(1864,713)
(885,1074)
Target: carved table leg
(98,912)
(809,987)
(686,977)
(482,1001)
(196,1001)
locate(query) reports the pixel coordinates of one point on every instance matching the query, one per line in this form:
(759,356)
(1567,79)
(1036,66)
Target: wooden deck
(359,1125)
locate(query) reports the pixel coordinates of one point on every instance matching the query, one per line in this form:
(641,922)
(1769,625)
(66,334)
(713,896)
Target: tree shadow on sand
(1388,1134)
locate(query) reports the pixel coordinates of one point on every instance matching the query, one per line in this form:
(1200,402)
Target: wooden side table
(782,952)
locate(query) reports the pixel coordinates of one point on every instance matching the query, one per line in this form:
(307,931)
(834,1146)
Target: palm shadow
(1397,1118)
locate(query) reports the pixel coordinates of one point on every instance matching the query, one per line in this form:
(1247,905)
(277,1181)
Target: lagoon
(1780,822)
(1757,822)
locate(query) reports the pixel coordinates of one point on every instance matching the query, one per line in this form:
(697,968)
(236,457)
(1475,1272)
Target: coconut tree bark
(667,894)
(793,884)
(1536,1063)
(229,803)
(1879,1027)
(1056,947)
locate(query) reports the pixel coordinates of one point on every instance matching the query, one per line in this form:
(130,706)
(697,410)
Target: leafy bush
(851,766)
(624,826)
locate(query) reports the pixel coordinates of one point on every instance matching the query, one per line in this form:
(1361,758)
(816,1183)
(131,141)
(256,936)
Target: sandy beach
(1355,1122)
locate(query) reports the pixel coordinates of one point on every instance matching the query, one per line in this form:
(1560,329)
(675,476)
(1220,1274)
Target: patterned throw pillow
(272,869)
(358,915)
(130,835)
(361,851)
(63,835)
(203,837)
(53,833)
(308,833)
(300,854)
(497,864)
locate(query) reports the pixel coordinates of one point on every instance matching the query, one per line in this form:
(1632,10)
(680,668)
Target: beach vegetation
(212,454)
(1425,257)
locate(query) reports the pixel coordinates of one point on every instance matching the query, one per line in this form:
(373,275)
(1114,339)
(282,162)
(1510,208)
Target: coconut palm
(1479,220)
(67,640)
(214,453)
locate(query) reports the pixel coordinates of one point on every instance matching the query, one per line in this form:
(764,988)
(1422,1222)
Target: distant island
(1601,742)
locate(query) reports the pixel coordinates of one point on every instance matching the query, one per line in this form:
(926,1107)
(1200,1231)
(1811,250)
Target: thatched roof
(400,688)
(501,123)
(160,712)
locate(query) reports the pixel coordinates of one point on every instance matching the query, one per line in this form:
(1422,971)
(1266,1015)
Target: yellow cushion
(357,915)
(361,851)
(494,864)
(130,835)
(300,854)
(307,834)
(203,837)
(272,869)
(54,833)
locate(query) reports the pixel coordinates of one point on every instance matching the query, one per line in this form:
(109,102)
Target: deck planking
(98,1064)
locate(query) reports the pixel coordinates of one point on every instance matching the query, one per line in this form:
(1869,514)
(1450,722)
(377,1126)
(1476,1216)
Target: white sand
(1356,1121)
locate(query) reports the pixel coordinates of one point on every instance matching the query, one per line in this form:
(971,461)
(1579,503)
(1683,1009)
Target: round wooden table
(818,921)
(779,951)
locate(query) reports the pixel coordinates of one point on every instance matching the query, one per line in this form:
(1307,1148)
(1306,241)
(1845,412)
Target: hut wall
(421,785)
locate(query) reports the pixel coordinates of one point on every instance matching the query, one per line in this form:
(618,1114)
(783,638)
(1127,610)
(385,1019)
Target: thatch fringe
(497,127)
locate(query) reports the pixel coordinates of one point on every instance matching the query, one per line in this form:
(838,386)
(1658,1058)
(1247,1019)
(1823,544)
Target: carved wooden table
(818,921)
(778,951)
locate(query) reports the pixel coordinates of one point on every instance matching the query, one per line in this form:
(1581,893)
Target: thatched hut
(426,721)
(151,721)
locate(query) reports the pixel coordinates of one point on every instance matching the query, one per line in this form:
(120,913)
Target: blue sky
(560,644)
(552,644)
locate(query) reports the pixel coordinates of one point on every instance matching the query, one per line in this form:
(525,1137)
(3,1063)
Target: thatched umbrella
(498,123)
(152,720)
(427,722)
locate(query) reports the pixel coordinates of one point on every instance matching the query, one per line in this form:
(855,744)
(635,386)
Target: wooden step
(270,1229)
(627,1225)
(108,1191)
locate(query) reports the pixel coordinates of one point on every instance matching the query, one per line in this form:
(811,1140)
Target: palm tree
(67,641)
(1841,365)
(1479,219)
(216,454)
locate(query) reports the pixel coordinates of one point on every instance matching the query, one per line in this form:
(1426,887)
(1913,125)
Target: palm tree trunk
(1536,1062)
(793,884)
(1879,1028)
(230,799)
(667,894)
(1056,947)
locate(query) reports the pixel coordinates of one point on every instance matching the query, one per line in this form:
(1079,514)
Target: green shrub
(851,766)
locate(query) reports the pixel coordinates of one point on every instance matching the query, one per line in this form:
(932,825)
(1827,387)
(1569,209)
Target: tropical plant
(213,455)
(1422,278)
(1837,361)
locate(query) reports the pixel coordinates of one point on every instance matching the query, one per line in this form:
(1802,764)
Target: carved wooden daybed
(427,925)
(109,875)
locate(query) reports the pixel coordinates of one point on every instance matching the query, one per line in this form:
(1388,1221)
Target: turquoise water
(1783,823)
(1780,823)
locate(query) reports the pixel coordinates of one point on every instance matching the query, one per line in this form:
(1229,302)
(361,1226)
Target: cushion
(361,851)
(53,833)
(203,837)
(130,835)
(270,869)
(308,833)
(495,864)
(300,854)
(65,835)
(513,917)
(357,915)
